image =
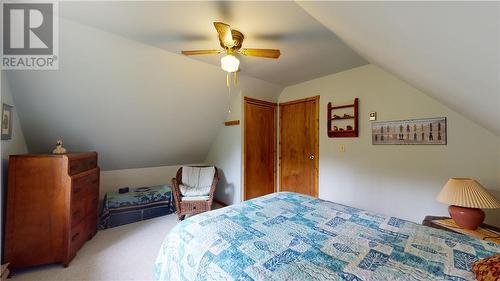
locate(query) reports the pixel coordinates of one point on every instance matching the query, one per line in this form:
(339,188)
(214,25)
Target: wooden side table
(492,235)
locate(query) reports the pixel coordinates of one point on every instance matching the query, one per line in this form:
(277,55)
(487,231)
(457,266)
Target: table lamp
(466,197)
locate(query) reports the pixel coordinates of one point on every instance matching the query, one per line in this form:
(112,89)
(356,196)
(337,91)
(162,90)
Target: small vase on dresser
(52,207)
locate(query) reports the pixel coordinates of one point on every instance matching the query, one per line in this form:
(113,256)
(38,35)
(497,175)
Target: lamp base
(468,218)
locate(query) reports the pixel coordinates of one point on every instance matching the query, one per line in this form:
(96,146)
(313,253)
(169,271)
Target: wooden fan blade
(265,53)
(201,52)
(225,35)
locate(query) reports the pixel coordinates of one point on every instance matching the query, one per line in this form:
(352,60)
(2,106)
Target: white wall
(16,145)
(225,153)
(112,180)
(390,179)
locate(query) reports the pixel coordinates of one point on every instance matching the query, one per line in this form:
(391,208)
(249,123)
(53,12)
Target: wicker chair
(184,208)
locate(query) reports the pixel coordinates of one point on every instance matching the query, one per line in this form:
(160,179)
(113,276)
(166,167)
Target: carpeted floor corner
(122,253)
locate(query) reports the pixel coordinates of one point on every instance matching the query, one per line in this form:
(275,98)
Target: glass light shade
(230,63)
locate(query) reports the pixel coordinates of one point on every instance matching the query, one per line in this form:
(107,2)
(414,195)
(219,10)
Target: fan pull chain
(228,84)
(228,92)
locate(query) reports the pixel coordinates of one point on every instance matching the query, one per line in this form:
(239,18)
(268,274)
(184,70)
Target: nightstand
(484,232)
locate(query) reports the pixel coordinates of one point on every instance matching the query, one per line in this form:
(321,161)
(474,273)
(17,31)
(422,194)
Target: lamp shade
(467,193)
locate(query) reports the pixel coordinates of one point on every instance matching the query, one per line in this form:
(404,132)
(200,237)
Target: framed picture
(415,131)
(6,122)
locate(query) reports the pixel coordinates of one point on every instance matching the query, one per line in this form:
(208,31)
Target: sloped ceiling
(449,50)
(308,49)
(137,105)
(123,90)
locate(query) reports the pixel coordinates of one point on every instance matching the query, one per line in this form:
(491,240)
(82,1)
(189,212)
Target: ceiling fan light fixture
(230,63)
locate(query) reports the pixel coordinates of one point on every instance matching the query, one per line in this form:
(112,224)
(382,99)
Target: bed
(288,236)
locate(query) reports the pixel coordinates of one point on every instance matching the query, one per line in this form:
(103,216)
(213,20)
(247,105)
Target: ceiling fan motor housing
(237,38)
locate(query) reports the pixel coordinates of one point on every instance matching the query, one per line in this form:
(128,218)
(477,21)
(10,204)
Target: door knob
(311,157)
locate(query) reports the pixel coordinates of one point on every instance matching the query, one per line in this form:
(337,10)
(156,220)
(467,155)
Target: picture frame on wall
(6,121)
(427,131)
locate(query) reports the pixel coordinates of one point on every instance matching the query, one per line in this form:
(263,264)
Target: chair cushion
(197,176)
(196,181)
(195,198)
(194,191)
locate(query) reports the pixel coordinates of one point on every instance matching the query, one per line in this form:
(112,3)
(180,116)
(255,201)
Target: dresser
(51,208)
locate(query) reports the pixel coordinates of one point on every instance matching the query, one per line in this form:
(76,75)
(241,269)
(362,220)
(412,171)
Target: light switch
(342,147)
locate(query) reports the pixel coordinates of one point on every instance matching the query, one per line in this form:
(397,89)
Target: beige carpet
(122,253)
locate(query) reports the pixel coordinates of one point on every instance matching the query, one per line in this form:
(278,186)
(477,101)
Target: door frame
(316,145)
(248,100)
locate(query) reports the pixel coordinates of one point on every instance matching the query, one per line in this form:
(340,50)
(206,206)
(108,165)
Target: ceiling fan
(231,41)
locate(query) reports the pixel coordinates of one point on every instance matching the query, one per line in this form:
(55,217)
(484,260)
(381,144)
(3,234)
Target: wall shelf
(353,116)
(232,123)
(341,118)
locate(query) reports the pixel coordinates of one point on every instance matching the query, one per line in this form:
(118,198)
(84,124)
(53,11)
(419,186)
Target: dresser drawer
(92,205)
(77,238)
(78,213)
(85,185)
(88,206)
(82,163)
(92,221)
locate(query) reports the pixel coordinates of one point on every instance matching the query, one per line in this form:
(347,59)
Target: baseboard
(220,203)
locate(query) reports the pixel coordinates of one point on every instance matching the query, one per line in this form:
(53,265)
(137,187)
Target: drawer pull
(75,236)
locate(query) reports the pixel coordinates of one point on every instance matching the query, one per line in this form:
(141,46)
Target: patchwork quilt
(288,236)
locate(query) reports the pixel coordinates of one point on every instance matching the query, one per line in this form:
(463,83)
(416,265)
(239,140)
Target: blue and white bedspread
(287,236)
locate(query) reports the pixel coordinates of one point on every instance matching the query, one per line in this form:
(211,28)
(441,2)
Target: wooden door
(259,148)
(299,146)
